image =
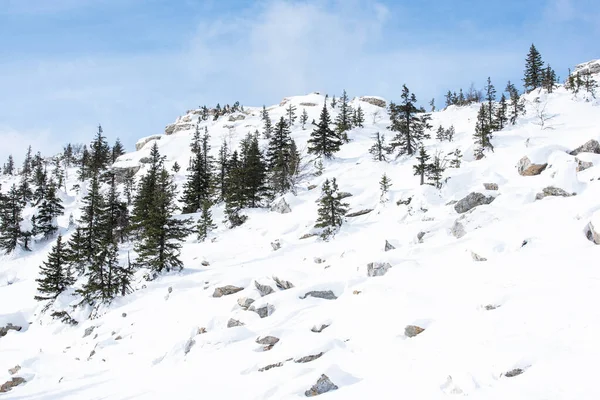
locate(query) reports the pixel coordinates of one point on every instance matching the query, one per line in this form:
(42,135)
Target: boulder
(245,302)
(308,235)
(308,104)
(182,127)
(276,245)
(490,307)
(552,191)
(490,186)
(320,294)
(323,385)
(264,290)
(309,358)
(378,268)
(471,201)
(169,129)
(311,187)
(344,195)
(374,101)
(145,160)
(14,369)
(237,117)
(268,367)
(388,246)
(458,230)
(267,340)
(188,345)
(583,165)
(263,311)
(513,372)
(9,327)
(226,290)
(593,234)
(420,236)
(205,263)
(527,168)
(281,206)
(142,142)
(122,172)
(359,213)
(319,329)
(7,386)
(283,285)
(477,257)
(234,322)
(88,331)
(591,146)
(412,330)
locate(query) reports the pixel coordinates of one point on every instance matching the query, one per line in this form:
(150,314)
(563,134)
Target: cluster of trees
(461,98)
(218,111)
(582,82)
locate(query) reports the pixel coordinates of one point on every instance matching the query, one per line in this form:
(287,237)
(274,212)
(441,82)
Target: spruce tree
(450,132)
(84,165)
(588,82)
(55,273)
(205,222)
(500,119)
(76,254)
(516,107)
(379,148)
(435,171)
(280,158)
(432,105)
(24,191)
(10,220)
(304,118)
(384,186)
(223,170)
(254,172)
(176,167)
(41,183)
(456,158)
(409,122)
(58,174)
(117,151)
(291,114)
(91,219)
(533,70)
(548,79)
(323,140)
(268,128)
(490,97)
(359,119)
(49,209)
(333,101)
(483,133)
(422,166)
(234,198)
(103,281)
(27,168)
(100,154)
(197,187)
(68,155)
(128,185)
(9,167)
(331,210)
(343,122)
(440,134)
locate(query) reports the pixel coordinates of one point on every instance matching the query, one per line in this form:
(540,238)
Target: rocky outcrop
(9,327)
(169,129)
(378,268)
(264,290)
(420,236)
(513,372)
(374,101)
(226,290)
(388,246)
(174,128)
(552,191)
(270,366)
(359,213)
(526,168)
(14,382)
(477,257)
(318,329)
(593,234)
(281,284)
(88,331)
(263,311)
(307,235)
(245,302)
(309,358)
(234,322)
(276,245)
(413,330)
(320,294)
(142,142)
(471,201)
(344,195)
(268,342)
(458,230)
(307,104)
(121,173)
(281,206)
(14,369)
(583,165)
(236,117)
(591,146)
(323,385)
(490,186)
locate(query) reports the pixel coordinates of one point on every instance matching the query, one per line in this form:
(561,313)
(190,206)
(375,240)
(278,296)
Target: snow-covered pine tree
(11,209)
(100,154)
(490,97)
(279,158)
(84,165)
(291,114)
(516,107)
(55,273)
(323,140)
(409,122)
(234,199)
(45,220)
(331,210)
(435,171)
(268,128)
(588,83)
(333,101)
(422,166)
(76,254)
(9,167)
(205,222)
(450,132)
(384,186)
(483,133)
(117,150)
(548,79)
(379,148)
(343,122)
(223,168)
(254,172)
(359,118)
(440,134)
(500,119)
(455,159)
(27,169)
(533,70)
(196,189)
(304,118)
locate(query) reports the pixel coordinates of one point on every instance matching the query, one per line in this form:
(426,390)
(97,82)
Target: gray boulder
(169,129)
(320,294)
(323,385)
(583,165)
(309,358)
(378,268)
(477,257)
(420,236)
(122,172)
(458,230)
(245,302)
(374,101)
(270,366)
(318,329)
(14,369)
(88,331)
(141,143)
(359,213)
(9,385)
(283,285)
(264,290)
(490,186)
(234,322)
(276,245)
(413,330)
(388,246)
(9,327)
(281,206)
(513,372)
(263,311)
(471,201)
(306,104)
(593,234)
(591,146)
(226,290)
(237,117)
(267,340)
(526,168)
(552,191)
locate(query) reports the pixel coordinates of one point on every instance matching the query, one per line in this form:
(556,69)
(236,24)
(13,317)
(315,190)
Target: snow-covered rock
(471,201)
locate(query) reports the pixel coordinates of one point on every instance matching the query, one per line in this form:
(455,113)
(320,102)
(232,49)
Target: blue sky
(134,66)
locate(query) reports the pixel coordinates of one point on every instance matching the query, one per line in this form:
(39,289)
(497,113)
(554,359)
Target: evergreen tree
(204,113)
(533,70)
(456,158)
(333,102)
(128,185)
(516,107)
(58,174)
(84,165)
(291,114)
(24,191)
(422,166)
(448,97)
(588,82)
(27,168)
(176,168)
(253,172)
(103,282)
(117,151)
(440,134)
(100,155)
(343,122)
(76,254)
(548,79)
(10,220)
(268,128)
(116,213)
(331,210)
(223,169)
(359,118)
(384,185)
(409,122)
(234,196)
(280,158)
(379,148)
(197,187)
(41,182)
(55,273)
(91,220)
(9,167)
(435,171)
(501,119)
(68,155)
(144,198)
(483,133)
(450,132)
(304,118)
(323,140)
(490,97)
(432,105)
(49,209)
(205,223)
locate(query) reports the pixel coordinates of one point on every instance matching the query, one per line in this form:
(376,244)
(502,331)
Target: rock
(14,369)
(169,129)
(205,263)
(458,230)
(490,186)
(234,322)
(263,311)
(310,358)
(592,234)
(513,372)
(378,268)
(307,235)
(308,104)
(264,290)
(451,202)
(119,337)
(583,165)
(318,329)
(9,327)
(245,302)
(321,294)
(88,331)
(188,345)
(276,245)
(124,315)
(267,340)
(388,246)
(359,213)
(236,117)
(471,201)
(477,257)
(318,260)
(526,168)
(281,284)
(122,172)
(226,290)
(14,382)
(412,330)
(268,367)
(323,385)
(420,236)
(142,142)
(311,187)
(145,160)
(490,307)
(374,101)
(344,195)
(591,146)
(178,128)
(281,206)
(552,191)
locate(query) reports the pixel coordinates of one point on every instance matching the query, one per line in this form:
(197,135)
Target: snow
(544,292)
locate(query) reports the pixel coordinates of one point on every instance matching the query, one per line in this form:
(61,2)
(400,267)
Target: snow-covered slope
(530,306)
